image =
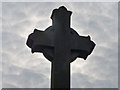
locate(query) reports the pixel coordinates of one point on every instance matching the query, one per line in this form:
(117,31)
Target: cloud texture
(25,70)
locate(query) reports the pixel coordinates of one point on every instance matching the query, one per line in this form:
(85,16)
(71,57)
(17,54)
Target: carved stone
(61,45)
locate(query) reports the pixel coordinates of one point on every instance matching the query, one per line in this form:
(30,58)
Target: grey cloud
(80,83)
(24,79)
(10,45)
(99,20)
(15,51)
(85,81)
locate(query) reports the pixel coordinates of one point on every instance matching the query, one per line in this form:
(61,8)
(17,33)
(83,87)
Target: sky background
(22,69)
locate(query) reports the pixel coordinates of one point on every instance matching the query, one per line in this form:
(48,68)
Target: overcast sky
(22,69)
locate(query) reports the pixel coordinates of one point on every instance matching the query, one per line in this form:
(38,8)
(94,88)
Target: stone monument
(61,45)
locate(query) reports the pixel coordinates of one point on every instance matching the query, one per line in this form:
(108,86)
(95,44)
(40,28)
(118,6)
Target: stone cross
(61,45)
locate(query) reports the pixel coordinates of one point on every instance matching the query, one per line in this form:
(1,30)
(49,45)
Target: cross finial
(61,15)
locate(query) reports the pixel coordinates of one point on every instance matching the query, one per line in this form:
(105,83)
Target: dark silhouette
(61,45)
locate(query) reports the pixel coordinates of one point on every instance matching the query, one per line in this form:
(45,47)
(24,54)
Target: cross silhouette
(61,45)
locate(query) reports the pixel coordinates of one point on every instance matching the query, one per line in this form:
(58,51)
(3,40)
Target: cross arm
(83,45)
(38,40)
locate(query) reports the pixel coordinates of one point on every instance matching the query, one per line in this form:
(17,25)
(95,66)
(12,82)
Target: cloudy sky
(22,69)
